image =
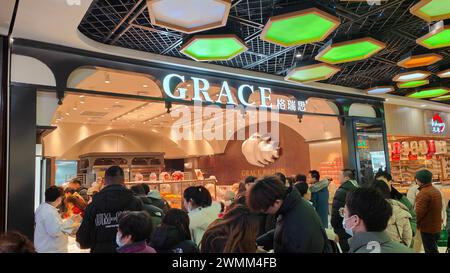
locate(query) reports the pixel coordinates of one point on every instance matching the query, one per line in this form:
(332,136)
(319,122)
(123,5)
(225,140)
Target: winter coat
(155,213)
(339,202)
(201,218)
(319,197)
(396,195)
(428,209)
(399,227)
(99,226)
(375,242)
(139,247)
(298,228)
(168,239)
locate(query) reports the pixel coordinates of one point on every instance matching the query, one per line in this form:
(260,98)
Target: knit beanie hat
(424,176)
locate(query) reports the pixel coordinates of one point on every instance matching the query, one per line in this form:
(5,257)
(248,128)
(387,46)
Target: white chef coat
(50,234)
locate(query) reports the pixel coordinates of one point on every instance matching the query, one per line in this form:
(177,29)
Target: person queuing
(173,235)
(134,230)
(365,217)
(428,210)
(15,242)
(99,226)
(75,185)
(156,199)
(155,213)
(399,226)
(201,210)
(298,228)
(51,231)
(396,195)
(235,233)
(319,195)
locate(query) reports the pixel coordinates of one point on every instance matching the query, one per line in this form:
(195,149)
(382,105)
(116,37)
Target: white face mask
(349,231)
(119,240)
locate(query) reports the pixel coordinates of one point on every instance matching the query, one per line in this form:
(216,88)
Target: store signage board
(201,94)
(437,124)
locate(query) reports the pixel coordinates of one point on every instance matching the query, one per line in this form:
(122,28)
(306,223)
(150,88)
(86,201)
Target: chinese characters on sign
(437,124)
(291,105)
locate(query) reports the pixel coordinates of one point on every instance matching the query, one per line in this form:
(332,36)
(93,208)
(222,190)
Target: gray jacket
(375,242)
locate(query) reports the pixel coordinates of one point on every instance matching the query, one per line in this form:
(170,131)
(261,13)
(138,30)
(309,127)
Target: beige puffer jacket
(399,227)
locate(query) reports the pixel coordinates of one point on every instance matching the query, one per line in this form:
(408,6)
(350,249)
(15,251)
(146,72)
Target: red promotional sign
(437,124)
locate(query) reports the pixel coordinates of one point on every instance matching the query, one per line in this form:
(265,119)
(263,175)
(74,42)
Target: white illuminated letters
(203,90)
(226,88)
(241,94)
(166,87)
(264,97)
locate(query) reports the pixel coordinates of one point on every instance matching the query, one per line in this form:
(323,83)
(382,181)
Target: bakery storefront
(418,139)
(75,113)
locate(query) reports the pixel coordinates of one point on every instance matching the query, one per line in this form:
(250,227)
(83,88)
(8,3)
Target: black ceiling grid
(126,23)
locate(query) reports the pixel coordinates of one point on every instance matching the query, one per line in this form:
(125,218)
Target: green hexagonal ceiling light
(311,73)
(431,10)
(299,27)
(430,93)
(442,98)
(438,37)
(349,51)
(412,84)
(213,47)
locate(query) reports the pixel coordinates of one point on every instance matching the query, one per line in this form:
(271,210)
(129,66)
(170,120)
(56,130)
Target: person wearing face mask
(201,209)
(365,217)
(51,232)
(298,228)
(134,230)
(348,184)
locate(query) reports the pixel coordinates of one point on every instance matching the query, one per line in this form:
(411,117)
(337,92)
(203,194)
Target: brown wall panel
(232,167)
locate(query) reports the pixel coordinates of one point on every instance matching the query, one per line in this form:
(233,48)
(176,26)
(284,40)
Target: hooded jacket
(168,239)
(319,197)
(155,213)
(298,228)
(99,227)
(399,227)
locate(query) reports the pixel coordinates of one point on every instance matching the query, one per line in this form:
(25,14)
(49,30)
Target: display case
(93,165)
(172,191)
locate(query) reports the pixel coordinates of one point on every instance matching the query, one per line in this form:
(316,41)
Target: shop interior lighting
(419,60)
(213,47)
(430,93)
(189,16)
(107,78)
(438,37)
(431,10)
(412,84)
(349,51)
(380,90)
(444,73)
(412,76)
(310,73)
(299,27)
(442,98)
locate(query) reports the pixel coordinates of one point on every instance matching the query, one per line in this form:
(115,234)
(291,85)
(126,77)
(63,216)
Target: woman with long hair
(236,232)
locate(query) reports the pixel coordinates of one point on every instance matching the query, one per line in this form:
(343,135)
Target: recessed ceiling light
(298,55)
(116,102)
(67,113)
(75,108)
(145,85)
(423,105)
(82,96)
(106,108)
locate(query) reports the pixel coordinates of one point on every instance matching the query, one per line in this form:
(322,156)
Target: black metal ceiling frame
(131,28)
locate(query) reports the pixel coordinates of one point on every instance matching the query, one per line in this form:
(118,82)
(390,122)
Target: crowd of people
(268,214)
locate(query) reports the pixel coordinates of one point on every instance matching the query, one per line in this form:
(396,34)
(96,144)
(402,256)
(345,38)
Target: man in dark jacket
(156,214)
(348,184)
(319,195)
(99,227)
(298,228)
(155,198)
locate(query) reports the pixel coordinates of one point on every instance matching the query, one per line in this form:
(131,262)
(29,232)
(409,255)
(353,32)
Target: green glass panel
(312,73)
(210,49)
(429,93)
(413,84)
(354,51)
(436,8)
(305,28)
(447,97)
(442,39)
